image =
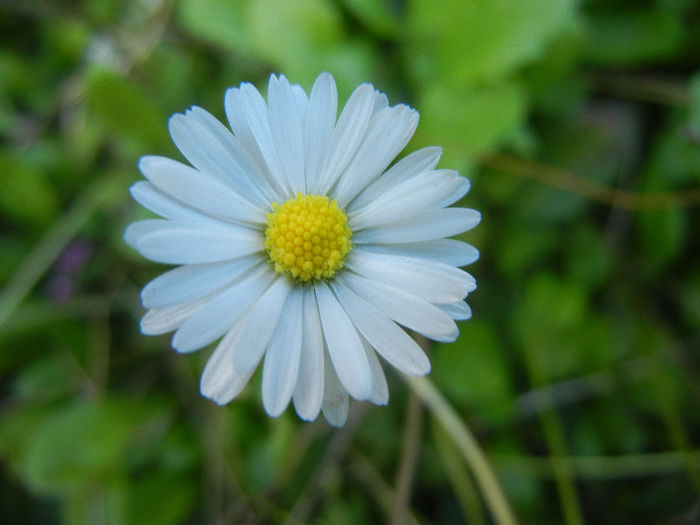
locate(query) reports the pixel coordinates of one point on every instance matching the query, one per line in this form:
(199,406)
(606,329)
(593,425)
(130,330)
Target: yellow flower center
(307,238)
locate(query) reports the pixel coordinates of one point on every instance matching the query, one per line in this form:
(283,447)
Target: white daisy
(298,247)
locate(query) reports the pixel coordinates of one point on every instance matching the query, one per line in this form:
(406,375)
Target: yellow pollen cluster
(307,238)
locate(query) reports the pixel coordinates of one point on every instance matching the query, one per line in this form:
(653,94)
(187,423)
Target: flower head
(296,246)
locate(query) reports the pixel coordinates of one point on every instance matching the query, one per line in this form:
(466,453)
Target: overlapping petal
(221,312)
(433,281)
(344,345)
(200,191)
(320,341)
(430,190)
(425,226)
(282,357)
(388,133)
(174,242)
(192,281)
(308,392)
(348,134)
(447,251)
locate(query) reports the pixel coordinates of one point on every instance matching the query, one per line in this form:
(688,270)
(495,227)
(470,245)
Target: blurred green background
(578,123)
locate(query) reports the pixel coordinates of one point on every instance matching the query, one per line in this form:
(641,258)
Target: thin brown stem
(570,182)
(656,90)
(410,450)
(336,450)
(365,472)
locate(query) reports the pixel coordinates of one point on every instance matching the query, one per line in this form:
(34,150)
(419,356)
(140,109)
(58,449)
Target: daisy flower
(297,247)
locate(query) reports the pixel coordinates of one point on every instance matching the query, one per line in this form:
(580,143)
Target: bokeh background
(578,123)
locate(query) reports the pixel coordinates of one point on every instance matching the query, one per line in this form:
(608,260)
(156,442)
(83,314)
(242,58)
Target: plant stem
(468,446)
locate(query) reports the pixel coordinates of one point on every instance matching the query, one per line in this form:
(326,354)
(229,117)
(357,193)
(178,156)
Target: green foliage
(124,109)
(694,91)
(26,195)
(622,37)
(484,40)
(297,37)
(478,117)
(474,372)
(219,22)
(380,16)
(162,499)
(578,124)
(77,444)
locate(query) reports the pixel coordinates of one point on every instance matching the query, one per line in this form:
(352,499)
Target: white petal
(404,308)
(447,251)
(199,190)
(220,381)
(308,393)
(222,312)
(433,189)
(258,325)
(335,398)
(159,321)
(387,338)
(256,119)
(234,104)
(249,178)
(425,226)
(287,132)
(462,185)
(301,101)
(380,389)
(459,311)
(388,133)
(322,110)
(189,282)
(150,197)
(347,136)
(177,243)
(344,345)
(211,148)
(281,365)
(433,281)
(411,165)
(139,229)
(380,102)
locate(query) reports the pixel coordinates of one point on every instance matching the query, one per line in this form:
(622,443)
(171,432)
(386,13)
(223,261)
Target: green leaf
(98,503)
(26,195)
(126,110)
(220,22)
(468,42)
(522,247)
(162,498)
(588,256)
(378,15)
(675,160)
(17,426)
(345,511)
(295,35)
(663,235)
(470,121)
(626,37)
(549,320)
(674,164)
(79,443)
(694,92)
(688,296)
(48,378)
(473,371)
(351,64)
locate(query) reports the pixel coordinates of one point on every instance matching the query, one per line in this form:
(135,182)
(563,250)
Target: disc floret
(307,238)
